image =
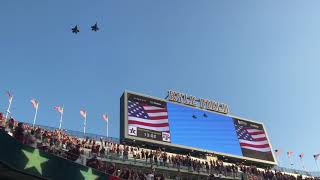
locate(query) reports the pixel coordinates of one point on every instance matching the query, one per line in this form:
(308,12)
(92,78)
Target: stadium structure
(180,137)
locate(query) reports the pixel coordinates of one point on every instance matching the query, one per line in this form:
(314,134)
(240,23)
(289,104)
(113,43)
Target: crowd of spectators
(95,154)
(270,174)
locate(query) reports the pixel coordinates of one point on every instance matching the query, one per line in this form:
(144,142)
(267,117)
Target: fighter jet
(95,27)
(194,116)
(75,29)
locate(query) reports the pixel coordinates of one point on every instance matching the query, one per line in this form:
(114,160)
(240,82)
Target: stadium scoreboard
(186,122)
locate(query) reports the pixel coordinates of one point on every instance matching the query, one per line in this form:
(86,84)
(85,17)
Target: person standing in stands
(102,152)
(31,139)
(2,121)
(115,175)
(165,158)
(19,132)
(155,158)
(150,175)
(142,154)
(1,117)
(134,154)
(151,157)
(147,156)
(131,150)
(118,150)
(125,152)
(11,125)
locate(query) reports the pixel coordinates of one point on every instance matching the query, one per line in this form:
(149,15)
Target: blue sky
(260,57)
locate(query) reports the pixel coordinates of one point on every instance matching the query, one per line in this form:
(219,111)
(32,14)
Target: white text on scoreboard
(199,102)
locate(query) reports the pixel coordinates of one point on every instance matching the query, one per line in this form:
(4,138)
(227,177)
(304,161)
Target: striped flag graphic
(252,138)
(148,116)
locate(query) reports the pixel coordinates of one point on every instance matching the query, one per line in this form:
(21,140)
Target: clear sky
(260,57)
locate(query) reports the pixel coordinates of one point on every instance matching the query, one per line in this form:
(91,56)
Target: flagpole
(108,129)
(84,125)
(8,109)
(278,160)
(35,115)
(61,115)
(291,164)
(302,163)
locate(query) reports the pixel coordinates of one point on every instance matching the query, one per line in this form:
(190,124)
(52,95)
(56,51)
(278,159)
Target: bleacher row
(121,161)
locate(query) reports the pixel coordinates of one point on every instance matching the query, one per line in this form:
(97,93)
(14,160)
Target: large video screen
(176,124)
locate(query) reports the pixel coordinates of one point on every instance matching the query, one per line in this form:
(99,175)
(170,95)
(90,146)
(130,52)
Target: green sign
(35,162)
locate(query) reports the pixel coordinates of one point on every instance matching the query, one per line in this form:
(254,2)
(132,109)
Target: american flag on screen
(252,138)
(147,116)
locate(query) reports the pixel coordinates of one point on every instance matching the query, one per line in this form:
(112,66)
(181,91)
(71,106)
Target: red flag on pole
(105,117)
(34,103)
(59,109)
(83,113)
(289,153)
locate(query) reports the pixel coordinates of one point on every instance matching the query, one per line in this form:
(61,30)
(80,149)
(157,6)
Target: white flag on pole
(83,113)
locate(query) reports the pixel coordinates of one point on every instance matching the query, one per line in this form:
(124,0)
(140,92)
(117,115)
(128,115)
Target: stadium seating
(76,157)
